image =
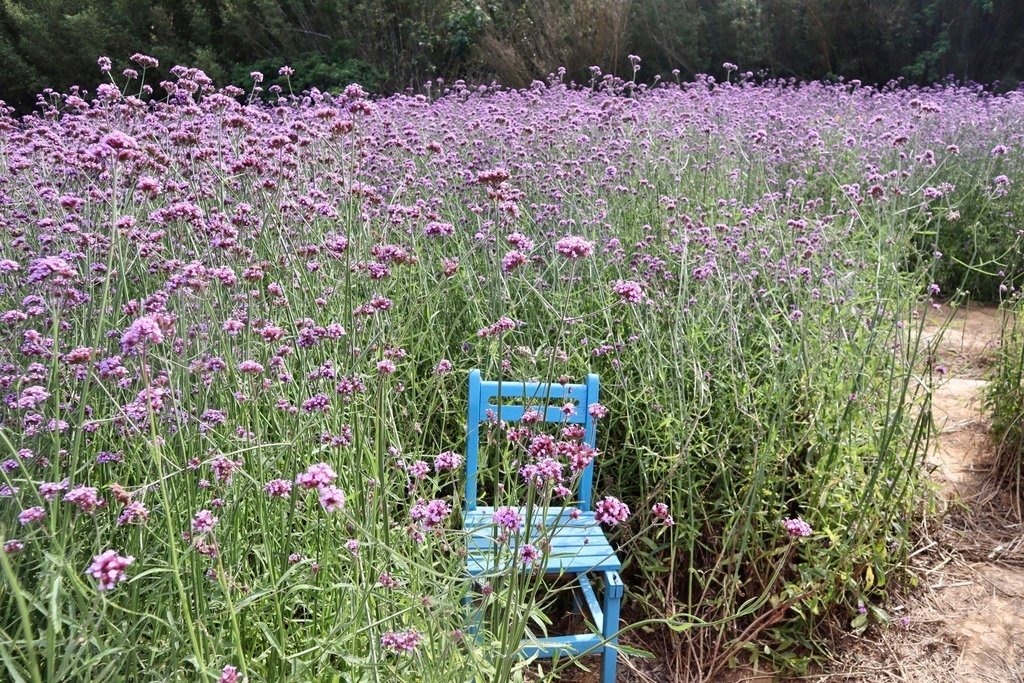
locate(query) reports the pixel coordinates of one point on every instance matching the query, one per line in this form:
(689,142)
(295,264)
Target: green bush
(1005,401)
(326,72)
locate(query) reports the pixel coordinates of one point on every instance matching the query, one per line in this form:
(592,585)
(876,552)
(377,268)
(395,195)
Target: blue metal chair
(578,547)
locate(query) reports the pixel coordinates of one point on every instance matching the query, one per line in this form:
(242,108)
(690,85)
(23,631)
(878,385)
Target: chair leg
(613,591)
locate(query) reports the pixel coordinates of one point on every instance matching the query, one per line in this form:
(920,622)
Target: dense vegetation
(1005,404)
(389,45)
(237,333)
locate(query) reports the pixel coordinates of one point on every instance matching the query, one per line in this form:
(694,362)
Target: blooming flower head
(108,568)
(250,367)
(223,468)
(204,521)
(611,511)
(502,325)
(520,241)
(529,554)
(316,475)
(430,514)
(320,403)
(49,490)
(145,330)
(513,260)
(629,291)
(574,247)
(145,61)
(134,513)
(50,267)
(32,514)
(507,517)
(85,497)
(418,469)
(332,498)
(436,229)
(797,528)
(229,675)
(660,512)
(278,488)
(447,460)
(543,472)
(31,397)
(401,642)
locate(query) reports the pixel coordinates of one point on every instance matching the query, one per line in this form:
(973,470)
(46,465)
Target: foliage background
(391,45)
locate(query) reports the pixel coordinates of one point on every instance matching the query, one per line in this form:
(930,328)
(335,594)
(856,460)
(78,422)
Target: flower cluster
(611,511)
(108,569)
(401,642)
(797,528)
(508,517)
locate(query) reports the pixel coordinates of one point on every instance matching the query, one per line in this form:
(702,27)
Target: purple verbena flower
(85,497)
(278,488)
(529,554)
(204,521)
(507,517)
(611,511)
(134,513)
(108,569)
(797,528)
(32,514)
(447,460)
(332,499)
(430,514)
(316,475)
(401,642)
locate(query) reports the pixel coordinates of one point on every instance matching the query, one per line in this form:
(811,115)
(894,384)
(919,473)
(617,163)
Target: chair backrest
(486,395)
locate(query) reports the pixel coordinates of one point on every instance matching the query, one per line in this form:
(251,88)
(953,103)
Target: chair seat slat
(552,565)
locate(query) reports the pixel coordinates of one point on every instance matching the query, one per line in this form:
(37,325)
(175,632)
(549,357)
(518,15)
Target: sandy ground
(965,620)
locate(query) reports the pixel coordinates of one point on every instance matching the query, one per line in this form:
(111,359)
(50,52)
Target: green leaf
(859,623)
(679,627)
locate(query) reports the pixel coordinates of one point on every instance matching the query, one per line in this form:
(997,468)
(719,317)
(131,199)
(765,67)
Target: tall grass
(218,295)
(1004,401)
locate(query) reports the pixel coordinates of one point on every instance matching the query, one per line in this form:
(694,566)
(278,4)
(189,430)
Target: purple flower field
(238,327)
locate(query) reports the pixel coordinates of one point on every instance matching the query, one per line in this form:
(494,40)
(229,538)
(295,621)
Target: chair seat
(577,545)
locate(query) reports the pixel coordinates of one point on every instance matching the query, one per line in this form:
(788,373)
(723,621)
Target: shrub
(327,72)
(1005,402)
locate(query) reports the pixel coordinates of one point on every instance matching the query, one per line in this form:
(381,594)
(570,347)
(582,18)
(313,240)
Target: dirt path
(966,623)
